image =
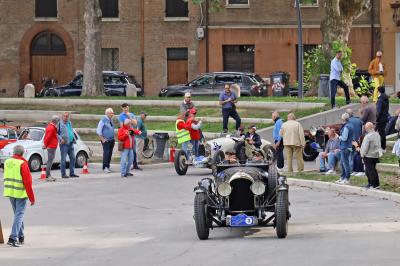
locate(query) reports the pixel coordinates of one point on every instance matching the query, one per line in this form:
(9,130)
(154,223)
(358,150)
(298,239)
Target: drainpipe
(372,29)
(142,42)
(206,35)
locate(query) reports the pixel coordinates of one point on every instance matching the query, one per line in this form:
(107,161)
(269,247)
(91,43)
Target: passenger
(253,141)
(258,156)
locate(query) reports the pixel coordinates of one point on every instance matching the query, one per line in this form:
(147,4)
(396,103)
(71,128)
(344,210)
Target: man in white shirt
(335,79)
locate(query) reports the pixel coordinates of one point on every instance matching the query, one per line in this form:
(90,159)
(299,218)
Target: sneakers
(50,179)
(21,240)
(377,187)
(14,243)
(368,186)
(322,170)
(360,174)
(129,174)
(74,176)
(346,182)
(342,182)
(353,173)
(137,168)
(107,170)
(65,176)
(331,172)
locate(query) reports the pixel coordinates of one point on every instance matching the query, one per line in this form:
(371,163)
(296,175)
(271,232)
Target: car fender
(204,186)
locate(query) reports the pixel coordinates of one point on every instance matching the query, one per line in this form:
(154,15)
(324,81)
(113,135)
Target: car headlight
(258,188)
(224,189)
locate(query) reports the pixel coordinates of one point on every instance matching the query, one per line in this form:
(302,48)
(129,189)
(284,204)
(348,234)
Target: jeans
(230,112)
(370,171)
(351,162)
(108,147)
(185,148)
(18,206)
(126,161)
(67,149)
(333,158)
(333,84)
(139,142)
(280,161)
(345,164)
(195,148)
(51,153)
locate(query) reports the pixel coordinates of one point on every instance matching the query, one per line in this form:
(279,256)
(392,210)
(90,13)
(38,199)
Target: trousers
(297,151)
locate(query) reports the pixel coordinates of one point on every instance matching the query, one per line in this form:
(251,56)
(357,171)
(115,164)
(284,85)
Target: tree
(338,21)
(92,69)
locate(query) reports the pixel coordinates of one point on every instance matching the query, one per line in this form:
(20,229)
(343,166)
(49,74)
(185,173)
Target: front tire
(35,163)
(281,214)
(200,216)
(180,162)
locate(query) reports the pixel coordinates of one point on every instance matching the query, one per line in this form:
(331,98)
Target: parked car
(115,84)
(31,138)
(214,153)
(8,134)
(213,84)
(245,195)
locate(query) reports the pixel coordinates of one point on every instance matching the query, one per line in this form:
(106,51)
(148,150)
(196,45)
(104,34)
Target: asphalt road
(147,220)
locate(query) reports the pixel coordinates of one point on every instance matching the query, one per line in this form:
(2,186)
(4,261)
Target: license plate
(241,220)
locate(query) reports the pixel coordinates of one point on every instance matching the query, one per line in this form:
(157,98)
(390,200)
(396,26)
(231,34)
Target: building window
(109,8)
(110,58)
(46,8)
(307,3)
(47,43)
(176,8)
(237,3)
(238,58)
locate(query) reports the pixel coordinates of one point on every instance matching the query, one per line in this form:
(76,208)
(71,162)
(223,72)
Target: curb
(144,166)
(388,168)
(345,189)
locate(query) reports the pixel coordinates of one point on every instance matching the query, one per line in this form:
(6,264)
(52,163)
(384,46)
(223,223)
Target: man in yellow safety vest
(18,188)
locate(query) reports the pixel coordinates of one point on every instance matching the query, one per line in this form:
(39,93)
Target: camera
(131,132)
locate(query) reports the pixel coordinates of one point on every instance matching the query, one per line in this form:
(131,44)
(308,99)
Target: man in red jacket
(51,143)
(194,129)
(18,187)
(126,136)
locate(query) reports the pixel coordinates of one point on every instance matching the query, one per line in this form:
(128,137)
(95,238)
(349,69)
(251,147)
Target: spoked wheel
(148,149)
(281,214)
(200,216)
(218,157)
(180,162)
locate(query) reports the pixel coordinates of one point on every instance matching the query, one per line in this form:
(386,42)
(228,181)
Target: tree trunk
(92,70)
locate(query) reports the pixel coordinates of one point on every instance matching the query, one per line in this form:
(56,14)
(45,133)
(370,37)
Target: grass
(388,182)
(390,158)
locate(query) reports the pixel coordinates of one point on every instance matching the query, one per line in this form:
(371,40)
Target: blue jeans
(195,148)
(18,206)
(185,148)
(126,161)
(333,158)
(351,161)
(67,149)
(345,164)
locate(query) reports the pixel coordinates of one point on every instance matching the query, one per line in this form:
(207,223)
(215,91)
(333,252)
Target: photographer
(227,99)
(126,145)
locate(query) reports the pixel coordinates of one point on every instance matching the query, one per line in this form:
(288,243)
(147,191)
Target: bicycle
(148,148)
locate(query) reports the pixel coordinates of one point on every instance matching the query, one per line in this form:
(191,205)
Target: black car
(115,83)
(213,84)
(242,195)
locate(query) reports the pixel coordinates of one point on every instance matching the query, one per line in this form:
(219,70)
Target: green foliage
(365,87)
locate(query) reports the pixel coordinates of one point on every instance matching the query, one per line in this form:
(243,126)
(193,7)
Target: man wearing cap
(378,71)
(187,103)
(227,100)
(253,141)
(105,131)
(18,188)
(140,138)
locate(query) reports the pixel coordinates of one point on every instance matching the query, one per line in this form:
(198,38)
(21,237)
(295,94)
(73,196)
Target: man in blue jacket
(346,147)
(105,131)
(66,138)
(278,143)
(357,127)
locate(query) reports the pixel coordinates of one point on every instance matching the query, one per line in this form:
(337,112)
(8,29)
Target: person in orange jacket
(377,70)
(194,129)
(126,137)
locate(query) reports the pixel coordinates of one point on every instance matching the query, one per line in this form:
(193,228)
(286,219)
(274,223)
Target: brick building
(45,38)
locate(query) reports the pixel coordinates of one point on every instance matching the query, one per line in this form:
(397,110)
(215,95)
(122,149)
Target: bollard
(172,154)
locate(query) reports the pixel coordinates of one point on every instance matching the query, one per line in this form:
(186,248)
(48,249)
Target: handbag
(120,145)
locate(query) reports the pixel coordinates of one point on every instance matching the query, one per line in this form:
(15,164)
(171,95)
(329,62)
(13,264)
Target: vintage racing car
(242,195)
(213,152)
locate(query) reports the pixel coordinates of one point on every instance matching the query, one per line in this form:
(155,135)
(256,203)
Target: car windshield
(34,134)
(3,133)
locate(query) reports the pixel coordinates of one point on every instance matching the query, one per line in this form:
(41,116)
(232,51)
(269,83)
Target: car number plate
(242,220)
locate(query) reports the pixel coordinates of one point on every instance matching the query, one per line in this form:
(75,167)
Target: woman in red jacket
(194,129)
(126,136)
(51,143)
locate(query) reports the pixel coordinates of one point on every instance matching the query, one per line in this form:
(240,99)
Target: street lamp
(300,56)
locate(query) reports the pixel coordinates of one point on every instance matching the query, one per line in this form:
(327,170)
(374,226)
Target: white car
(31,138)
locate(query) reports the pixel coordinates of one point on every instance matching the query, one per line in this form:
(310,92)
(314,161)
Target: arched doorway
(48,59)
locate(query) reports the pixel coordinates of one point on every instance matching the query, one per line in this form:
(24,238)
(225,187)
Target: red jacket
(26,178)
(129,140)
(194,134)
(50,137)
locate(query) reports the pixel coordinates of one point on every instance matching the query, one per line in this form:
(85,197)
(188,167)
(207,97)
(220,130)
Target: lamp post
(300,56)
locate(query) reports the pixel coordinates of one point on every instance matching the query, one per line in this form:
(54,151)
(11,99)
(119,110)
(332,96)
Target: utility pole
(300,48)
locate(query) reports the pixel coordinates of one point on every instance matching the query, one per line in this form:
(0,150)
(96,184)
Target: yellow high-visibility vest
(13,184)
(183,135)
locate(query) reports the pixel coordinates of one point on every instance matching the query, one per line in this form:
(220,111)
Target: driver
(230,157)
(258,156)
(253,141)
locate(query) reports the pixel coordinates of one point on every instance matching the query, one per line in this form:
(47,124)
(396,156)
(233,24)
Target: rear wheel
(281,214)
(35,163)
(200,216)
(148,149)
(180,162)
(81,159)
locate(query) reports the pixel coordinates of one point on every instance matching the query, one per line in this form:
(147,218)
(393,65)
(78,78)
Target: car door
(202,85)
